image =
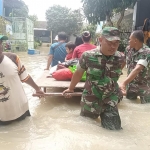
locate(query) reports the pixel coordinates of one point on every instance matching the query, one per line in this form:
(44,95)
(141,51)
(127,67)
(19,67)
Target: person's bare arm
(123,65)
(131,77)
(31,82)
(50,58)
(81,68)
(133,74)
(75,79)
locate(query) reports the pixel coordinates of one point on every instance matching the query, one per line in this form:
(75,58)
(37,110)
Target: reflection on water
(55,123)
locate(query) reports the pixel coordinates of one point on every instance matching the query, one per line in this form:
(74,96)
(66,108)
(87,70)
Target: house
(18,29)
(42,34)
(1,7)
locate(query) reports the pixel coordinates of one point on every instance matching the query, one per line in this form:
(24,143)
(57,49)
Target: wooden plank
(45,82)
(58,94)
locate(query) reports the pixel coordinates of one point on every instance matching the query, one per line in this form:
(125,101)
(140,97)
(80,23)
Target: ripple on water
(56,124)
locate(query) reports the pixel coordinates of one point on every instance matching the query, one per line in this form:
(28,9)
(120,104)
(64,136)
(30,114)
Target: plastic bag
(62,74)
(74,68)
(52,69)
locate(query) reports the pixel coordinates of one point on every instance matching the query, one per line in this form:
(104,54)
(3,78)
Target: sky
(39,7)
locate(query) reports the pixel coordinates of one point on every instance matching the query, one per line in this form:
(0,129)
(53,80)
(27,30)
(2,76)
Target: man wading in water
(13,100)
(103,67)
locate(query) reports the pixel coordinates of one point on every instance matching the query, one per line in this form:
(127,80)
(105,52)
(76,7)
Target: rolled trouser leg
(145,99)
(131,95)
(132,91)
(89,114)
(144,93)
(110,118)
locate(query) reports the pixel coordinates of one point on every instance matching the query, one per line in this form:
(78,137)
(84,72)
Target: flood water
(55,123)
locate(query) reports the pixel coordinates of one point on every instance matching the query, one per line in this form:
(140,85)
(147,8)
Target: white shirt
(13,100)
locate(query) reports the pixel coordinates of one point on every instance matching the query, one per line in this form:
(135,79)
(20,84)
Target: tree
(16,8)
(91,28)
(101,10)
(34,18)
(63,19)
(3,23)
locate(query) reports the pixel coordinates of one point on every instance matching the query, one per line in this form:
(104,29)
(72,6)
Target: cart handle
(58,94)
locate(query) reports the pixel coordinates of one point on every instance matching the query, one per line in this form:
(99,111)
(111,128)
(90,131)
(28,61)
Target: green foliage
(74,68)
(3,23)
(100,10)
(63,19)
(37,43)
(19,8)
(122,46)
(2,26)
(120,5)
(34,18)
(95,10)
(91,28)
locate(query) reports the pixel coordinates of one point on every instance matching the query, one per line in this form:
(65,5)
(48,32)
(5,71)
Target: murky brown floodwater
(55,123)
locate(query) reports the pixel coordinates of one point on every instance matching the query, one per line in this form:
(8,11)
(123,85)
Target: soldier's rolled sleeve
(79,68)
(142,62)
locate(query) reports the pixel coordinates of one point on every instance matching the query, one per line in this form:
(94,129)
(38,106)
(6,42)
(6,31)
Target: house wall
(1,7)
(42,35)
(30,33)
(23,35)
(127,20)
(5,27)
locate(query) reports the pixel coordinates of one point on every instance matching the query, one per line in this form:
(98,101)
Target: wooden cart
(48,82)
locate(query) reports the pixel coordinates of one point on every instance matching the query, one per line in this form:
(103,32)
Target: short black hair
(86,36)
(62,36)
(138,34)
(70,45)
(78,41)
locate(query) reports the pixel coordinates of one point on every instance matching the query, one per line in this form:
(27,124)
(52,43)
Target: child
(70,46)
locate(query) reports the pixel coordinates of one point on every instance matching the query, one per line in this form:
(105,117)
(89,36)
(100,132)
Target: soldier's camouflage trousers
(142,91)
(110,118)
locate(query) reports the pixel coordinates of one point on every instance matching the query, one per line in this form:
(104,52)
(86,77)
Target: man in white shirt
(13,100)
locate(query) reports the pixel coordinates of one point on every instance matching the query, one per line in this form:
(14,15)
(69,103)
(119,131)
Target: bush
(36,44)
(48,45)
(40,43)
(122,46)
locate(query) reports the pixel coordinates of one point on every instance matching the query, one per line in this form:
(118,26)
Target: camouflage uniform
(140,86)
(101,94)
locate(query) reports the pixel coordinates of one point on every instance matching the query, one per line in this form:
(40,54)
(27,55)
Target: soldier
(137,59)
(103,67)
